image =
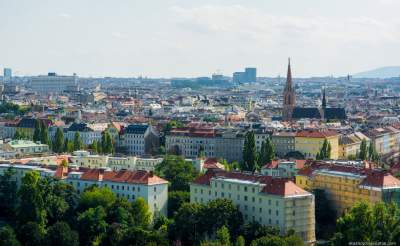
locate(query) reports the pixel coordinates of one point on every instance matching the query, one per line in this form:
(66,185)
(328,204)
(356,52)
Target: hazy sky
(192,38)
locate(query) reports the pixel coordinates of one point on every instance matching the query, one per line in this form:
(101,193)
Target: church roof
(311,113)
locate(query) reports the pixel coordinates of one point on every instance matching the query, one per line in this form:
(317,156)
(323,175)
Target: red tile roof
(274,186)
(316,133)
(123,176)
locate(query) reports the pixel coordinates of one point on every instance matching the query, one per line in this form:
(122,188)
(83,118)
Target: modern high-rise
(250,74)
(53,83)
(7,74)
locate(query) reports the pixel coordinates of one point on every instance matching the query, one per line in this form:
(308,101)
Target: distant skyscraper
(7,73)
(251,74)
(289,96)
(248,76)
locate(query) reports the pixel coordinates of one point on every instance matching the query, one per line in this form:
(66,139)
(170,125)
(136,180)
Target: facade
(87,133)
(7,74)
(53,84)
(269,201)
(140,139)
(349,145)
(347,183)
(82,158)
(309,142)
(284,142)
(283,168)
(385,139)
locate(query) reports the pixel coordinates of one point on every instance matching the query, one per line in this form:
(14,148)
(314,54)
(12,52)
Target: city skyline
(189,39)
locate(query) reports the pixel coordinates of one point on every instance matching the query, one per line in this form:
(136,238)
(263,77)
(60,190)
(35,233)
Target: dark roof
(136,129)
(312,113)
(335,114)
(79,127)
(30,122)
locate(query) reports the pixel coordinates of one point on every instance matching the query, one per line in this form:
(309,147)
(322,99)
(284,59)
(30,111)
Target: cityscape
(284,153)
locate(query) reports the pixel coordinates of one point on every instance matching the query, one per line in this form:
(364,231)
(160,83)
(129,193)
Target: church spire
(323,99)
(289,96)
(289,76)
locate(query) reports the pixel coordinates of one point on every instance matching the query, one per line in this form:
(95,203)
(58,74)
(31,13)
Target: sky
(188,38)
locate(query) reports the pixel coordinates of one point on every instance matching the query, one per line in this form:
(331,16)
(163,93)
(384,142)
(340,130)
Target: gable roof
(136,129)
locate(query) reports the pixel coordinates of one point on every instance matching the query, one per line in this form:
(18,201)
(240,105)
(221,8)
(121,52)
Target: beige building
(349,145)
(267,200)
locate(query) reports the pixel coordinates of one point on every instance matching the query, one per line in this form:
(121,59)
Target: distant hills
(382,72)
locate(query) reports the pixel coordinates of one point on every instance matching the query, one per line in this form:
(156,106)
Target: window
(253,189)
(260,210)
(245,198)
(269,211)
(245,188)
(277,212)
(253,199)
(155,189)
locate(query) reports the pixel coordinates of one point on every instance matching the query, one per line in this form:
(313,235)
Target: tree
(139,236)
(240,241)
(363,154)
(369,223)
(372,154)
(31,234)
(60,234)
(141,213)
(44,135)
(175,201)
(249,162)
(187,224)
(177,171)
(95,196)
(37,135)
(69,146)
(78,144)
(325,151)
(267,152)
(7,236)
(58,145)
(8,193)
(223,236)
(92,226)
(31,206)
(107,145)
(269,241)
(95,147)
(255,230)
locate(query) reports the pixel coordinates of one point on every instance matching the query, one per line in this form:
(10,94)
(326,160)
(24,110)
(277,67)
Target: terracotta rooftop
(273,186)
(123,176)
(316,133)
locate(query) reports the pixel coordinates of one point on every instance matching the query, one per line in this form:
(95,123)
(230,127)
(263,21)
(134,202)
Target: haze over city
(180,38)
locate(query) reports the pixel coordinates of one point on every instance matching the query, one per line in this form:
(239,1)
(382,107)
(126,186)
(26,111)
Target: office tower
(7,74)
(53,83)
(250,74)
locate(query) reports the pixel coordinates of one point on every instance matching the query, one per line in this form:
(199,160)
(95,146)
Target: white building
(140,139)
(53,83)
(25,148)
(270,201)
(87,133)
(128,184)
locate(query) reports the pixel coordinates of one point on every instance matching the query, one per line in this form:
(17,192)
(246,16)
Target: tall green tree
(32,205)
(107,145)
(249,162)
(60,234)
(37,135)
(363,153)
(141,213)
(92,226)
(8,193)
(177,171)
(369,223)
(44,135)
(95,147)
(78,144)
(7,236)
(325,151)
(223,236)
(175,201)
(267,152)
(58,145)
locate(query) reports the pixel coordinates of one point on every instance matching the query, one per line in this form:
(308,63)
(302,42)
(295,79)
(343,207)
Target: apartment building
(347,183)
(23,148)
(385,139)
(82,158)
(349,144)
(124,183)
(283,168)
(87,133)
(284,142)
(53,83)
(140,139)
(309,142)
(267,200)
